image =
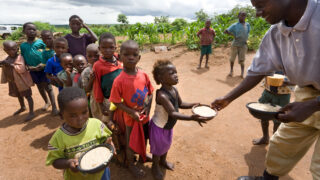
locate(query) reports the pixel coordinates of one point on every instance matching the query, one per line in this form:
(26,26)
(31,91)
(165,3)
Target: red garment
(137,140)
(134,90)
(76,77)
(206,36)
(100,68)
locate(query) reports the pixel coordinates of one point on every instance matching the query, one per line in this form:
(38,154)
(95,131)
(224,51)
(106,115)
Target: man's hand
(298,111)
(220,103)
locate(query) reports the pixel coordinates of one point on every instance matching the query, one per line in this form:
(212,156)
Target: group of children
(102,94)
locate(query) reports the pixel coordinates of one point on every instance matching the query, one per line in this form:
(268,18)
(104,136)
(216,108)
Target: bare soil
(221,150)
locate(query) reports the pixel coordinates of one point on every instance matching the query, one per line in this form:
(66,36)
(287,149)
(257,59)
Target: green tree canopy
(123,19)
(201,15)
(161,19)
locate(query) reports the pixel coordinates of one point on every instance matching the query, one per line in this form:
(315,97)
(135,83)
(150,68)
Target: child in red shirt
(134,87)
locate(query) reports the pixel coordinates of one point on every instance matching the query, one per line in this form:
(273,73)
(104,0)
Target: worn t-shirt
(240,32)
(64,144)
(206,36)
(134,90)
(53,66)
(32,52)
(78,45)
(46,55)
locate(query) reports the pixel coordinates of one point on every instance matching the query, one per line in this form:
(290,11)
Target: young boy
(206,36)
(79,63)
(66,75)
(77,134)
(277,96)
(132,93)
(240,32)
(291,45)
(14,73)
(53,66)
(31,52)
(47,38)
(106,69)
(79,42)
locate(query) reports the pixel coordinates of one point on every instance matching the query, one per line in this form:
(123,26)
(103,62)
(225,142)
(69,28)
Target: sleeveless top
(161,117)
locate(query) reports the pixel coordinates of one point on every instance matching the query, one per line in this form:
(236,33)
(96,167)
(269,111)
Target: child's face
(208,24)
(130,57)
(67,63)
(30,31)
(75,24)
(80,63)
(242,17)
(76,113)
(60,47)
(92,56)
(11,50)
(273,11)
(170,76)
(107,48)
(47,38)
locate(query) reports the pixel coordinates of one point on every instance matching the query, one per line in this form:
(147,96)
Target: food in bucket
(204,111)
(95,158)
(264,107)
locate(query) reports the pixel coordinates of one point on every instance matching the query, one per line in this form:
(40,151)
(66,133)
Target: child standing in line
(79,63)
(14,73)
(206,36)
(53,66)
(132,93)
(32,54)
(165,116)
(276,96)
(66,75)
(79,42)
(76,135)
(106,69)
(47,38)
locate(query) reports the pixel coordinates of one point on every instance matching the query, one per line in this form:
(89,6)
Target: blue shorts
(106,174)
(39,77)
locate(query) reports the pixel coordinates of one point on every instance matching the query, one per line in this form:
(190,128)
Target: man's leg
(315,162)
(234,52)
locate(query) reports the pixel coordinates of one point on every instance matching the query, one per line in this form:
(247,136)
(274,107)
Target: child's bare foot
(148,158)
(19,111)
(156,172)
(29,117)
(199,67)
(46,107)
(260,141)
(167,165)
(207,67)
(54,112)
(230,74)
(137,172)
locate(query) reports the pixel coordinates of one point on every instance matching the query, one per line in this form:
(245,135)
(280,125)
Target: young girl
(79,63)
(166,114)
(31,52)
(19,80)
(79,42)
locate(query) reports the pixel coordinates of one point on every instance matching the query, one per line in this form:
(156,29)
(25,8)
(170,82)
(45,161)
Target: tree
(201,15)
(123,19)
(161,19)
(179,23)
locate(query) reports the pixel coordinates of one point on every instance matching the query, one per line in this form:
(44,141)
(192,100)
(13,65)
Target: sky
(106,11)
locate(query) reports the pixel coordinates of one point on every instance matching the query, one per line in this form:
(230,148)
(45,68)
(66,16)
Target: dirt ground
(221,150)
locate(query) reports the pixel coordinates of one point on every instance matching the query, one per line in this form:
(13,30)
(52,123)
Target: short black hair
(69,94)
(45,32)
(127,44)
(74,17)
(61,39)
(107,35)
(9,43)
(159,68)
(26,24)
(65,55)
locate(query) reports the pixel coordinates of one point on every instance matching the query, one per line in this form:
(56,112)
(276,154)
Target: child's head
(129,54)
(66,61)
(11,48)
(107,45)
(60,46)
(47,38)
(92,53)
(79,62)
(164,72)
(242,16)
(30,30)
(272,10)
(75,23)
(208,23)
(73,105)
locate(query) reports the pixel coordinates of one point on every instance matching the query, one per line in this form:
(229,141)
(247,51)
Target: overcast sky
(106,11)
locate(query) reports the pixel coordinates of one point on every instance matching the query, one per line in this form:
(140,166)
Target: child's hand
(92,76)
(135,115)
(199,119)
(72,164)
(105,110)
(68,71)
